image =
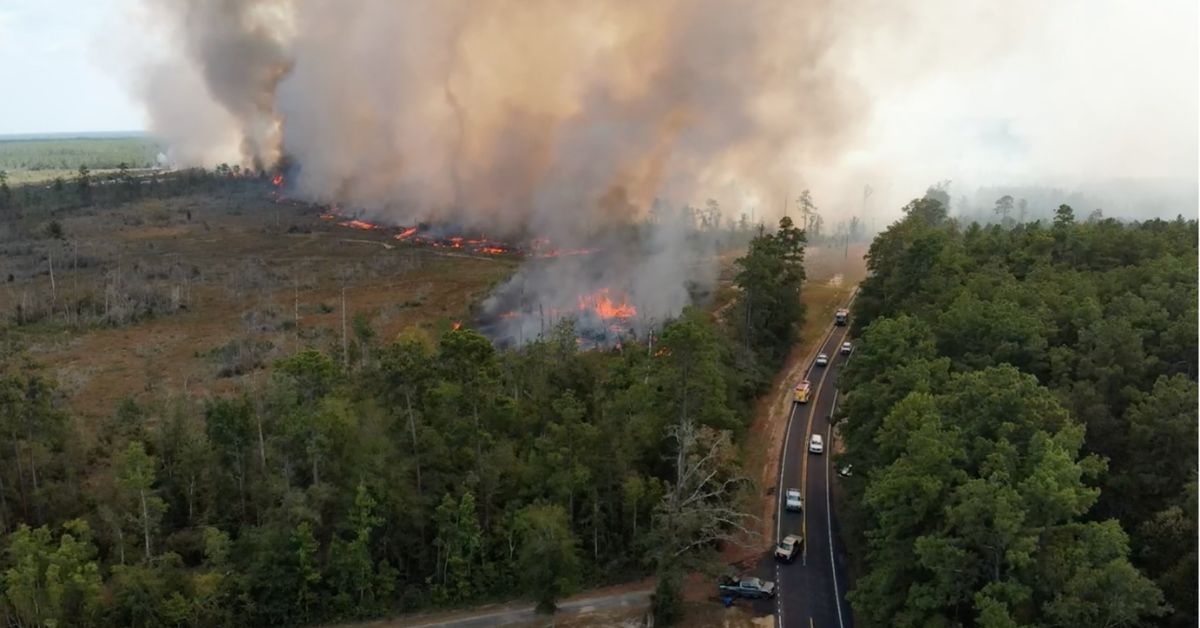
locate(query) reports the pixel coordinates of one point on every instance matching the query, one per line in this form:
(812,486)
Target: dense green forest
(426,470)
(1020,416)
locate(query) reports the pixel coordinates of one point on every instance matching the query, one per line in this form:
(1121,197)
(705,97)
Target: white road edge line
(787,435)
(779,510)
(837,596)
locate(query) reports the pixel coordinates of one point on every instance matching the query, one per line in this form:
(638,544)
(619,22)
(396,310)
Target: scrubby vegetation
(404,472)
(1021,419)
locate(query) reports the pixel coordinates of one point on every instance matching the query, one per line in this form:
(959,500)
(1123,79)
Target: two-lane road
(812,590)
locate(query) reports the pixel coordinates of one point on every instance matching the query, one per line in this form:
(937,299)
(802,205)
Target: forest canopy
(1021,417)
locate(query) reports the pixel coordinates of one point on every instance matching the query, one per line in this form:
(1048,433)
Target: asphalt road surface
(811,590)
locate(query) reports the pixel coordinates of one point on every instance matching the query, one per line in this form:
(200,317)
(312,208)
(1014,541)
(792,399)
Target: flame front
(604,306)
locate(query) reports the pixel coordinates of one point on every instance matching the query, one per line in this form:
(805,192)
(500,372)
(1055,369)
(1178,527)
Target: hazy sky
(975,91)
(52,69)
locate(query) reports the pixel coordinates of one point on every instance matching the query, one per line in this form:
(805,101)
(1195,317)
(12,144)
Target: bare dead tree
(53,286)
(345,352)
(700,508)
(296,311)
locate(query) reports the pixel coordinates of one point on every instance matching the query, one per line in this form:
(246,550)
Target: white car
(846,471)
(822,359)
(787,549)
(846,348)
(816,445)
(794,502)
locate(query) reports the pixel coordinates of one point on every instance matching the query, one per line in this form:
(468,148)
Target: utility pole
(345,353)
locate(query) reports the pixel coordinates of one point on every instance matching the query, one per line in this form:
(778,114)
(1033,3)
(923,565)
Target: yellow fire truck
(802,392)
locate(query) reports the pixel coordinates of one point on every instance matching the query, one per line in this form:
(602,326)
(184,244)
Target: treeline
(71,153)
(122,185)
(427,471)
(1020,417)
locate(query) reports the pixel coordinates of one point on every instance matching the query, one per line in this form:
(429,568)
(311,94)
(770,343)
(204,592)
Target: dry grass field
(241,280)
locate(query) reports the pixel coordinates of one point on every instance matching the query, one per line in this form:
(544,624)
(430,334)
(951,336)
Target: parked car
(787,549)
(847,348)
(794,502)
(822,359)
(816,445)
(846,471)
(747,587)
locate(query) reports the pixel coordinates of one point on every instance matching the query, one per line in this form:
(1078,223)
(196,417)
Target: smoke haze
(566,119)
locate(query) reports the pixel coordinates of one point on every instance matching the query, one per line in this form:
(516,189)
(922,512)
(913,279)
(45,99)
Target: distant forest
(1021,421)
(71,153)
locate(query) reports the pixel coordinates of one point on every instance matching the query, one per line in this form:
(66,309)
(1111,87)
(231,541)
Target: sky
(978,92)
(54,69)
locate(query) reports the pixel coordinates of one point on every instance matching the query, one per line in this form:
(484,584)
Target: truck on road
(800,394)
(749,587)
(841,317)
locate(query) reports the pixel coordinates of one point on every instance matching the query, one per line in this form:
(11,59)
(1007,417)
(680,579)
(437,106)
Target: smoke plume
(567,120)
(555,119)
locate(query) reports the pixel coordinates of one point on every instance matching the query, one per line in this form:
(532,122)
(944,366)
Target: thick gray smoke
(539,118)
(567,120)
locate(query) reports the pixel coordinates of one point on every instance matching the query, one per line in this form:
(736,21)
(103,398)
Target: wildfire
(600,302)
(541,247)
(360,224)
(456,325)
(277,180)
(419,234)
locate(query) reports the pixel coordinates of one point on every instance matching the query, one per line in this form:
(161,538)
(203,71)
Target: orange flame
(407,233)
(277,180)
(605,307)
(456,325)
(360,224)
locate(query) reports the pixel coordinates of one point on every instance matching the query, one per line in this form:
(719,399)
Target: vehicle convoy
(841,317)
(802,391)
(822,359)
(787,549)
(794,502)
(748,587)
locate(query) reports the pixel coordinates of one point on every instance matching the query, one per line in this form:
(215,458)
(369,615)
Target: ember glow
(277,180)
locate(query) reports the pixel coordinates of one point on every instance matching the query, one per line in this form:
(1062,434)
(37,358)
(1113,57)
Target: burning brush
(612,292)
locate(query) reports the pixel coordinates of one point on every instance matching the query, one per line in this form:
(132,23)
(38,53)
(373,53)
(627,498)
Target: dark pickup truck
(747,587)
